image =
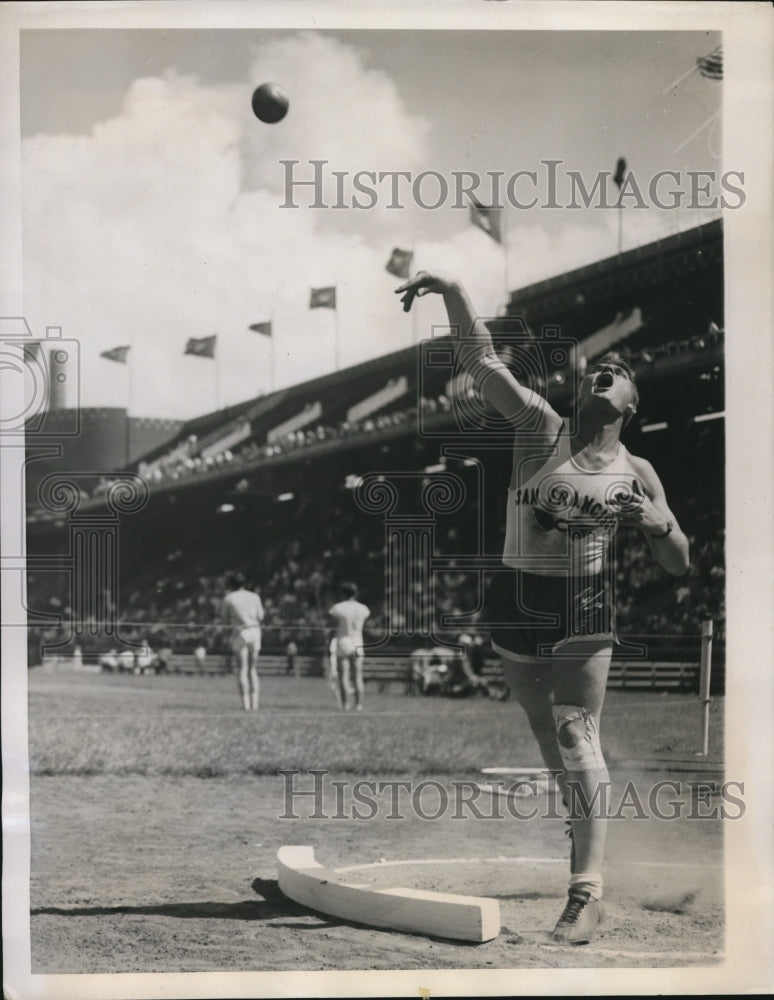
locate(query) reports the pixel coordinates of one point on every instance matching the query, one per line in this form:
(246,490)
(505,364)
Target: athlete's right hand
(423,283)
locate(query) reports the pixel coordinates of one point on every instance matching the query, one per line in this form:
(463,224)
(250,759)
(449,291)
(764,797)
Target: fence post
(704,681)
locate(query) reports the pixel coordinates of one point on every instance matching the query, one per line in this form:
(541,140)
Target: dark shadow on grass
(273,904)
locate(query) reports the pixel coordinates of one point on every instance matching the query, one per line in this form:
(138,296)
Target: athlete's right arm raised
(476,353)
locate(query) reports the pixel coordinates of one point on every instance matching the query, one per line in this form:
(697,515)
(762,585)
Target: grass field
(91,724)
(157,813)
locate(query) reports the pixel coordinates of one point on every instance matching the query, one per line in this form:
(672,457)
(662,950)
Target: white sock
(588,883)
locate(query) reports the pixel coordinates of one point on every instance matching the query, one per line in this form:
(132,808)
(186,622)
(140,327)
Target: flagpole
(504,236)
(415,310)
(271,350)
(128,406)
(336,332)
(216,358)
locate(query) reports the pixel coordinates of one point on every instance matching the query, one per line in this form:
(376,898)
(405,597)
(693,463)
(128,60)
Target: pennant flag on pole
(323,298)
(204,347)
(400,262)
(264,328)
(620,172)
(487,219)
(116,354)
(711,66)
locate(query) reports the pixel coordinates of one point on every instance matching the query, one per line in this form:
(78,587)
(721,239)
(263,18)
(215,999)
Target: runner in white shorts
(350,617)
(243,610)
(551,611)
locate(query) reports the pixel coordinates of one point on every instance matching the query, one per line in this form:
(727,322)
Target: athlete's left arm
(648,510)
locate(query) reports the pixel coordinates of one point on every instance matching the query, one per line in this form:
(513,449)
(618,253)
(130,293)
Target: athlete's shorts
(247,638)
(533,616)
(347,646)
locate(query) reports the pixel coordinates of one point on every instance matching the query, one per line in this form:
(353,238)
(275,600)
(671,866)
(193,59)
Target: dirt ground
(156,875)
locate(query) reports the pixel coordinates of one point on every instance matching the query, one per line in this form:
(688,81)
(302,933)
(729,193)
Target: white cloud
(142,233)
(340,111)
(165,223)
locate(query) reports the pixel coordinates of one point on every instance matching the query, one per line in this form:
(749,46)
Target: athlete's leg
(334,677)
(357,662)
(580,676)
(242,655)
(255,684)
(530,681)
(345,679)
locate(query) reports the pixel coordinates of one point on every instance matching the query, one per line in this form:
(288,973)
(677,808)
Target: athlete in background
(350,616)
(243,611)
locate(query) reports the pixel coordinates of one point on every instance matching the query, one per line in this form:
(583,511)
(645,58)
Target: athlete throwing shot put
(551,607)
(243,610)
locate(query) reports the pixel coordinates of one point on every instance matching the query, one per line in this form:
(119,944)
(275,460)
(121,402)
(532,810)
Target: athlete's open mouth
(603,381)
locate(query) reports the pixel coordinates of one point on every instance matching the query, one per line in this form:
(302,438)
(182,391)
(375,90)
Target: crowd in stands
(184,461)
(297,558)
(188,463)
(296,561)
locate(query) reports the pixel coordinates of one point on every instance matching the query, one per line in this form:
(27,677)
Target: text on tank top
(559,520)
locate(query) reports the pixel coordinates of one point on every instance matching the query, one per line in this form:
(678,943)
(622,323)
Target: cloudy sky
(152,197)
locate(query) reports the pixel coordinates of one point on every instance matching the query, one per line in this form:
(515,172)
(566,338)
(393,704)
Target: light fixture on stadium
(700,418)
(284,497)
(226,508)
(648,428)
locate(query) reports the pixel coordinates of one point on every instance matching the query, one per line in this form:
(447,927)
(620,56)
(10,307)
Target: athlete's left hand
(636,510)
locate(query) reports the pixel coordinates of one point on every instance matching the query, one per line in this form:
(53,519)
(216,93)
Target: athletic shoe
(580,918)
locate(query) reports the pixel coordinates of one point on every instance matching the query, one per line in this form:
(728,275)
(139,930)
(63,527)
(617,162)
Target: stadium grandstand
(269,486)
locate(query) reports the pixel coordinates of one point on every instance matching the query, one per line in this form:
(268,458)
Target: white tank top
(559,521)
(243,609)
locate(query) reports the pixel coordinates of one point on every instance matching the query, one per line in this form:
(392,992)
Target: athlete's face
(610,382)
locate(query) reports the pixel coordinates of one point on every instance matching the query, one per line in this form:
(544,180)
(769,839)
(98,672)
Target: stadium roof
(588,297)
(661,278)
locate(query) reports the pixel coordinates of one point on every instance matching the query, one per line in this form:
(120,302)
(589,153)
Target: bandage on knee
(578,738)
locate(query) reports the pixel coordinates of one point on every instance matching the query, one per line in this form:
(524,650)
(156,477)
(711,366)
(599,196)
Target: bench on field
(384,670)
(223,663)
(187,663)
(653,674)
(630,674)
